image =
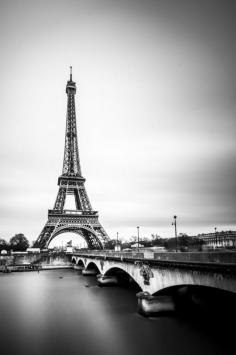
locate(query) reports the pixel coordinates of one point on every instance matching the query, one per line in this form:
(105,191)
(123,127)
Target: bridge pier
(78,267)
(104,280)
(89,272)
(149,305)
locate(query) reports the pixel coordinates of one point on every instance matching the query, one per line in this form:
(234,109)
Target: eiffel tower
(81,220)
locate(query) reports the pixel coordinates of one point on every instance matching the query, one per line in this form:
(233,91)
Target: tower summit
(81,219)
(71,163)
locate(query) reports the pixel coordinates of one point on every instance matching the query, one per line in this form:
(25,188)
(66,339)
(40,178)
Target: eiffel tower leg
(92,240)
(44,236)
(102,235)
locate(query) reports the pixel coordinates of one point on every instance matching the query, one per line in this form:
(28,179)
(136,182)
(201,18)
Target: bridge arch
(80,262)
(188,297)
(93,266)
(124,277)
(163,279)
(84,231)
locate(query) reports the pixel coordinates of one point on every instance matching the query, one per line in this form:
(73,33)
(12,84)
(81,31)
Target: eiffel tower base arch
(86,233)
(94,235)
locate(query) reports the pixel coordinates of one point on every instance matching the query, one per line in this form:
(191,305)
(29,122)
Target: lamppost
(215,237)
(138,238)
(176,241)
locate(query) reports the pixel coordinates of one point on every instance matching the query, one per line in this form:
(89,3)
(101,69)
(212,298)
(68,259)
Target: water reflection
(63,312)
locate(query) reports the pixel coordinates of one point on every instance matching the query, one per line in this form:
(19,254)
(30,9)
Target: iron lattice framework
(81,220)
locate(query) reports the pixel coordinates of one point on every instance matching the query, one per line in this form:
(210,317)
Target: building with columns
(223,239)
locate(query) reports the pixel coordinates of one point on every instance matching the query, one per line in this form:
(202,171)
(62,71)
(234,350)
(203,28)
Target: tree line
(17,243)
(184,242)
(20,243)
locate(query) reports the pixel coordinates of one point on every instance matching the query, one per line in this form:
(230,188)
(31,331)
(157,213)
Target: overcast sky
(155,110)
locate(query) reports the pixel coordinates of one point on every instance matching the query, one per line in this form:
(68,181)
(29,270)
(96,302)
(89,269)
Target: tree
(170,243)
(184,243)
(19,242)
(3,244)
(110,244)
(157,241)
(133,239)
(146,242)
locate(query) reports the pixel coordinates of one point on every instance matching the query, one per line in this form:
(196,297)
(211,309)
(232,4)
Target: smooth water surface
(63,312)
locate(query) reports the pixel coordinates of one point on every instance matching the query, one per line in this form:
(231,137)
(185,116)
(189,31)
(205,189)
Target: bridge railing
(202,257)
(131,255)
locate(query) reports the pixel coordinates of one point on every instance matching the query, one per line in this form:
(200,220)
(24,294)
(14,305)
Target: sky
(155,109)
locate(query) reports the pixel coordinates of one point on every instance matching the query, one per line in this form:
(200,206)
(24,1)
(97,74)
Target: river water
(62,312)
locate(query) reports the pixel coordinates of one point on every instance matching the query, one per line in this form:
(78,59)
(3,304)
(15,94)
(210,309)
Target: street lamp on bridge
(138,238)
(118,243)
(216,241)
(176,241)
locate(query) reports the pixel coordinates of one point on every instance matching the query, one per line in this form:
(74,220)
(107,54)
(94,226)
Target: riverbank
(30,267)
(34,262)
(55,267)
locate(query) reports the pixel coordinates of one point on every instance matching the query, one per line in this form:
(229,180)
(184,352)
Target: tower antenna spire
(70,73)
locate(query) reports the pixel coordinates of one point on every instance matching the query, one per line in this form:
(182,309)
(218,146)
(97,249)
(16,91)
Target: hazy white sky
(155,111)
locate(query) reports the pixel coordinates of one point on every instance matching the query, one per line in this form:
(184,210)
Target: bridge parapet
(223,270)
(108,253)
(201,257)
(206,257)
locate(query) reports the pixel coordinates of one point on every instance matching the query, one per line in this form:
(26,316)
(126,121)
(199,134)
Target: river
(62,312)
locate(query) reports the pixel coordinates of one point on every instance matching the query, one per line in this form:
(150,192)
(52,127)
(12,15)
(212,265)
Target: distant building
(157,249)
(224,239)
(137,245)
(33,250)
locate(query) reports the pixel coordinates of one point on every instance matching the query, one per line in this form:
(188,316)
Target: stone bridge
(155,276)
